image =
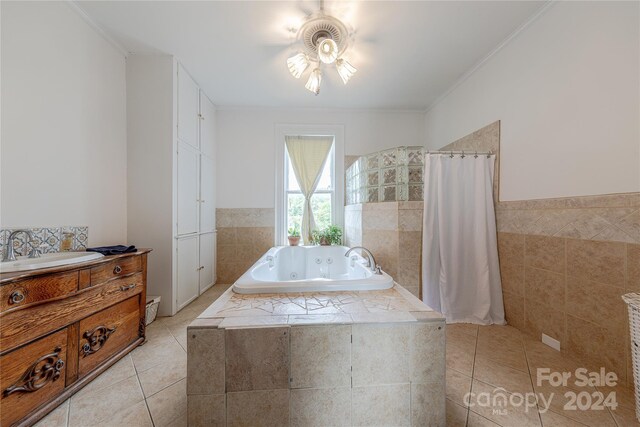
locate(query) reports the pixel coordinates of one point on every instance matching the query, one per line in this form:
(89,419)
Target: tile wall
(392,231)
(47,239)
(244,235)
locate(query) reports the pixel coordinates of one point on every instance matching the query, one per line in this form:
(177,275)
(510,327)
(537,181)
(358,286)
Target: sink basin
(24,263)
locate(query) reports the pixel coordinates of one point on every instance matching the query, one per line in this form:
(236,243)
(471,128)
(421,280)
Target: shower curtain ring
(462,155)
(475,156)
(451,155)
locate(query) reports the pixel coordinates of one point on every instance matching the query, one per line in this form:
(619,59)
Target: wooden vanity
(61,327)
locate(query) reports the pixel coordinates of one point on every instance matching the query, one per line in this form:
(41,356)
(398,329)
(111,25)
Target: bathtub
(310,269)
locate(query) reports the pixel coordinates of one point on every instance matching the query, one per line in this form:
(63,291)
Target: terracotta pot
(294,240)
(324,242)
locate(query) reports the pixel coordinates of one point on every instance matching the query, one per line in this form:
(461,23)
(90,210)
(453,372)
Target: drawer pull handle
(16,297)
(125,288)
(44,370)
(96,339)
(117,270)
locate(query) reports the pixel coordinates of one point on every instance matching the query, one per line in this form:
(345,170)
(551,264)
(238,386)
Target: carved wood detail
(44,370)
(96,339)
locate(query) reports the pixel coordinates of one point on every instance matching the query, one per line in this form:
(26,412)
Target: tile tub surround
(393,232)
(244,235)
(317,359)
(47,239)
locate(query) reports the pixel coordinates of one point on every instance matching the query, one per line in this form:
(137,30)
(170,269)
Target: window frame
(337,174)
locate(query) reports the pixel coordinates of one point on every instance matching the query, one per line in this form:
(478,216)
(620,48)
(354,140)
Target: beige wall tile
(427,352)
(597,345)
(257,359)
(265,408)
(542,319)
(547,253)
(205,361)
(631,225)
(410,244)
(321,407)
(226,235)
(514,309)
(597,303)
(245,217)
(545,287)
(428,405)
(598,261)
(633,268)
(380,354)
(258,236)
(379,219)
(511,248)
(388,405)
(320,356)
(512,277)
(410,220)
(206,410)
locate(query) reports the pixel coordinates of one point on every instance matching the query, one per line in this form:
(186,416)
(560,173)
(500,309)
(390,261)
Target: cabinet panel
(188,100)
(105,333)
(207,195)
(188,270)
(188,201)
(31,376)
(207,261)
(207,126)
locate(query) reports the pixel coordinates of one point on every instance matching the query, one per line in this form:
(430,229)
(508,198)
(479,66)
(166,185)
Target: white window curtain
(460,270)
(308,154)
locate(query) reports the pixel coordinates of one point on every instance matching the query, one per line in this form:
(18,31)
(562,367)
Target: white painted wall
(63,123)
(246,145)
(567,92)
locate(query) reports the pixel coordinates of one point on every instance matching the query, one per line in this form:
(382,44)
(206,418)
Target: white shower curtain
(460,270)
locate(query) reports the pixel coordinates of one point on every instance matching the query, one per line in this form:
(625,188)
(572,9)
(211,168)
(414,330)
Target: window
(327,202)
(322,200)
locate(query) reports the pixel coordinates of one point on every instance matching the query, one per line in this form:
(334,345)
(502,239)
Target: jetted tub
(310,269)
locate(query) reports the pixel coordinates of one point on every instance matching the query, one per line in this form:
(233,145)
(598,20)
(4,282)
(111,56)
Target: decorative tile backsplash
(386,176)
(47,239)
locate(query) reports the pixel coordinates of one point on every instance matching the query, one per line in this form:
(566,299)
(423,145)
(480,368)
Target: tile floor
(148,386)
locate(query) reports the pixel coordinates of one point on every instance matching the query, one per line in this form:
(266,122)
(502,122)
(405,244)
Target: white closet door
(207,126)
(188,271)
(207,261)
(188,200)
(207,194)
(188,103)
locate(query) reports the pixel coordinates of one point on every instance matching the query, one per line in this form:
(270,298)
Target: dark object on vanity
(113,250)
(61,327)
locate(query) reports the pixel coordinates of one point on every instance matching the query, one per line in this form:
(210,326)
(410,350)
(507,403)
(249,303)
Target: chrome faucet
(10,254)
(375,268)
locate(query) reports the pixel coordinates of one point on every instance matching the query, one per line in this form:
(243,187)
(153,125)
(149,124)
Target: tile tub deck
(322,358)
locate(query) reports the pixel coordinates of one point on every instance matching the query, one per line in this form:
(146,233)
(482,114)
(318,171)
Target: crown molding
(97,28)
(319,109)
(542,10)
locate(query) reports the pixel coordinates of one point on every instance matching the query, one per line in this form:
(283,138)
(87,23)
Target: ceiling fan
(324,40)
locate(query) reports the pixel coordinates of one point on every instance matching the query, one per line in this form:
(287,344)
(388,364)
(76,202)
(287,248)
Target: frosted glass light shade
(345,70)
(297,64)
(327,51)
(313,84)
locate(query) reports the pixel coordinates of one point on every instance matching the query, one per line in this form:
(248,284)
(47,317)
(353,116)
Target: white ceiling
(407,53)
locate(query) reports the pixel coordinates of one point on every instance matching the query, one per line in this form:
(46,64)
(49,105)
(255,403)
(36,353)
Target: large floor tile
(121,370)
(56,418)
(509,415)
(457,386)
(134,416)
(162,376)
(460,355)
(456,414)
(476,420)
(99,405)
(169,405)
(148,356)
(553,419)
(499,375)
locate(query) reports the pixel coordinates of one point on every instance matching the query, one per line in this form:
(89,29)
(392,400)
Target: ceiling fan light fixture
(345,69)
(297,64)
(313,84)
(327,51)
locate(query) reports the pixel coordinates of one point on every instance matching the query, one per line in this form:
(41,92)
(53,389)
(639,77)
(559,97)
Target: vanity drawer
(18,326)
(23,389)
(116,268)
(107,332)
(28,291)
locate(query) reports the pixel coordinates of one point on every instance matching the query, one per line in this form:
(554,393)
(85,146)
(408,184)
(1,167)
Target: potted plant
(294,236)
(331,235)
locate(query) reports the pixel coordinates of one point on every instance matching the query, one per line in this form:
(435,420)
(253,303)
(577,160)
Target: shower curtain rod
(465,153)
